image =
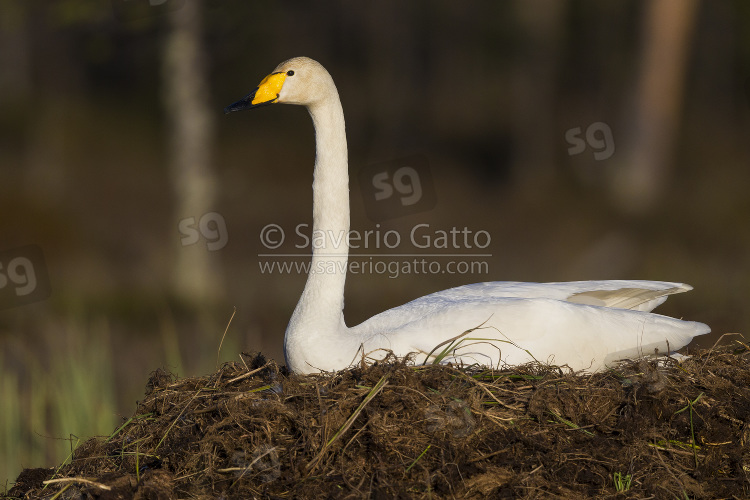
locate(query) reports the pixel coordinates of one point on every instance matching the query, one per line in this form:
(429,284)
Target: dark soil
(651,429)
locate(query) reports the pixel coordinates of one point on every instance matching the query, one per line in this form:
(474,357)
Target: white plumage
(584,324)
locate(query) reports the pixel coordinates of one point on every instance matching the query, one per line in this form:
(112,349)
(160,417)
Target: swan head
(300,80)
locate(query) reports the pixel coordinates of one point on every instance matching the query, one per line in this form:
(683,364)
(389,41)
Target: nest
(647,429)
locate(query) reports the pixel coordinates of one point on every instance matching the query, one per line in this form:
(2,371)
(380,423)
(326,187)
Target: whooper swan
(584,324)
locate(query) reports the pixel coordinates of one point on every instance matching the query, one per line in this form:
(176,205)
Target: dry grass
(645,430)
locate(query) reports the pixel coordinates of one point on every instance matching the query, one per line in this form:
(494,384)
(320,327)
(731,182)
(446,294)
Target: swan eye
(290,73)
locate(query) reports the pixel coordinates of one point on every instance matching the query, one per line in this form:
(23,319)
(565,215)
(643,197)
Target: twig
(218,353)
(245,375)
(81,480)
(661,459)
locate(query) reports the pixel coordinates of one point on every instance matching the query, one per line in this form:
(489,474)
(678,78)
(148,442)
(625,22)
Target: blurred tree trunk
(534,84)
(392,65)
(15,79)
(44,172)
(650,137)
(195,272)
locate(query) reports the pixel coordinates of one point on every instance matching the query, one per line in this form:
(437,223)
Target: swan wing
(640,295)
(621,294)
(508,330)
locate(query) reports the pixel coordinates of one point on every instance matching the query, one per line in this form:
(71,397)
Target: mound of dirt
(648,429)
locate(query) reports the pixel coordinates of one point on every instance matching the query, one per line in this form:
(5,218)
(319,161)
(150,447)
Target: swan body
(586,325)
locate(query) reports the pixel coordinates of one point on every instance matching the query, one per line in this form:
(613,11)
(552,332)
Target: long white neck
(318,319)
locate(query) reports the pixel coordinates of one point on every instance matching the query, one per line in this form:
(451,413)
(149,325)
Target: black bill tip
(247,103)
(244,103)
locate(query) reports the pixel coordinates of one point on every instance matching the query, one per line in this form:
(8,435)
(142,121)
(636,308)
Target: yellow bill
(267,93)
